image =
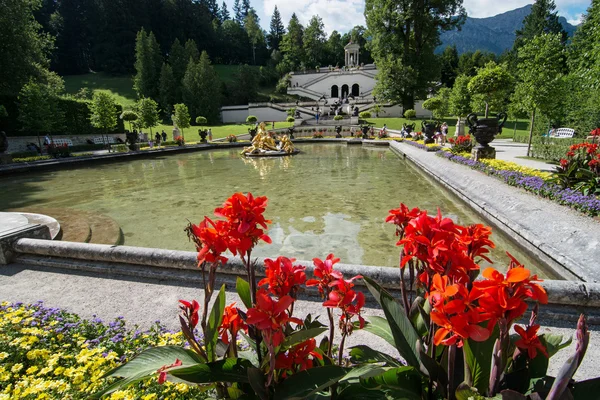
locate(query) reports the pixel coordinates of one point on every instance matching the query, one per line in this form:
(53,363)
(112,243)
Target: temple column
(356,58)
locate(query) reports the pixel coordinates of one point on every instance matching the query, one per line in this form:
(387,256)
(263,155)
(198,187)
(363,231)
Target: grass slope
(119,86)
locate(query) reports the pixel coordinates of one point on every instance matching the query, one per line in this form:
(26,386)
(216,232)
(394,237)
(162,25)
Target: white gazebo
(351,54)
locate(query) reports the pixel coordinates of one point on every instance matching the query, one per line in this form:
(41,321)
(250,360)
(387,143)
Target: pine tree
(542,19)
(277,30)
(212,7)
(224,13)
(238,12)
(201,89)
(191,50)
(148,60)
(254,31)
(449,66)
(245,86)
(168,88)
(178,60)
(335,49)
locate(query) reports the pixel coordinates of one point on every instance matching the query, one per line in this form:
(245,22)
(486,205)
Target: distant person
(157,139)
(317,116)
(273,125)
(164,136)
(210,135)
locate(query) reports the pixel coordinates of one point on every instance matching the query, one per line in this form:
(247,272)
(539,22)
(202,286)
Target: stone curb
(96,256)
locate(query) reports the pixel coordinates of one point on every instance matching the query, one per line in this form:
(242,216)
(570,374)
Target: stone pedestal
(176,133)
(460,128)
(483,152)
(5,158)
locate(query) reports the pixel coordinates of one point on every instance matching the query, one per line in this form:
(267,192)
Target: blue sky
(342,15)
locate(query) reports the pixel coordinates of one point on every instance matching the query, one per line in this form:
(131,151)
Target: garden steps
(82,226)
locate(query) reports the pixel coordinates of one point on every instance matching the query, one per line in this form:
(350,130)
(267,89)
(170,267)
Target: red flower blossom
(401,216)
(325,272)
(530,341)
(232,323)
(270,316)
(348,301)
(283,278)
(505,295)
(162,371)
(564,163)
(245,217)
(459,327)
(298,358)
(477,239)
(595,132)
(570,154)
(190,312)
(214,237)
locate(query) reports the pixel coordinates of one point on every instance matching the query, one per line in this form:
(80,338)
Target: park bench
(62,142)
(99,140)
(564,133)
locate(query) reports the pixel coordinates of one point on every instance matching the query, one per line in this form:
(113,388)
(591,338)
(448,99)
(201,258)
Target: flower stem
(341,349)
(331,332)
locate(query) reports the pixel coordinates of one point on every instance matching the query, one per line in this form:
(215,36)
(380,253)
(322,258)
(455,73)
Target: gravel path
(142,302)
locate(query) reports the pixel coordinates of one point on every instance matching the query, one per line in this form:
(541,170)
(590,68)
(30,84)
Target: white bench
(108,139)
(563,133)
(62,142)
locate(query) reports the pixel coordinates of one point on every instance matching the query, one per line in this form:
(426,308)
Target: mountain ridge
(493,34)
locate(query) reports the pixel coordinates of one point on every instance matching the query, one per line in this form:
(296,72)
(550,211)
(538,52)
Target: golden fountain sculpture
(264,145)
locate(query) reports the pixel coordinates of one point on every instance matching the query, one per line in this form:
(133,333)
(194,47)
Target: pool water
(329,198)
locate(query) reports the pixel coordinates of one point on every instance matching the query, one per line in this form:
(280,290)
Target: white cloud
(340,15)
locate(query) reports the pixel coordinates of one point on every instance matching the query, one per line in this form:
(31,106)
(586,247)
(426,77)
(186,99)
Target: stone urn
(429,130)
(132,141)
(484,130)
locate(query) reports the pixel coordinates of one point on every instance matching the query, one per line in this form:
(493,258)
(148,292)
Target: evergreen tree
(244,89)
(178,61)
(72,25)
(212,7)
(201,89)
(147,65)
(191,50)
(292,43)
(224,13)
(23,47)
(276,31)
(236,47)
(404,36)
(314,42)
(542,19)
(168,88)
(238,12)
(449,66)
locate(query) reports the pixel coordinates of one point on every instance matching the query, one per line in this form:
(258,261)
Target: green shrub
(30,159)
(87,154)
(120,148)
(410,114)
(365,114)
(24,154)
(551,148)
(338,117)
(251,119)
(290,119)
(201,121)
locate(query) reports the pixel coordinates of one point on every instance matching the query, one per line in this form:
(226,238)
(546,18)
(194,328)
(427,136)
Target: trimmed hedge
(551,148)
(76,121)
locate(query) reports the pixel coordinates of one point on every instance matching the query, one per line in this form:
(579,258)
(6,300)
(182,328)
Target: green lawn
(522,126)
(218,131)
(119,86)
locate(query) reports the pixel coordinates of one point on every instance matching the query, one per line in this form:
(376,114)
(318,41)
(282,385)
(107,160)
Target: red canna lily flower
(348,301)
(298,358)
(162,371)
(190,312)
(270,316)
(282,277)
(214,237)
(325,272)
(232,323)
(245,217)
(530,341)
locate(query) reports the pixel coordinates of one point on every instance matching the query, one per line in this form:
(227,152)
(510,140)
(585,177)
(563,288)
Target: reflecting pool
(330,198)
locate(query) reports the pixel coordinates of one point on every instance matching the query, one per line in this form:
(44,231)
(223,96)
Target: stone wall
(19,143)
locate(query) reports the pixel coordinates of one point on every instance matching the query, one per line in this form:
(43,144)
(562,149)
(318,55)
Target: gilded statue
(263,144)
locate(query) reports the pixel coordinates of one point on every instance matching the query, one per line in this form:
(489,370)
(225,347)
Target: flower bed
(47,353)
(421,145)
(587,204)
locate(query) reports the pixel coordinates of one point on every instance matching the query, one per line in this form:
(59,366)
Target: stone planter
(484,130)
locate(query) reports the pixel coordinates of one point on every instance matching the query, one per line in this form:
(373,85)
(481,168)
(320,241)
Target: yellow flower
(16,368)
(151,396)
(3,355)
(31,370)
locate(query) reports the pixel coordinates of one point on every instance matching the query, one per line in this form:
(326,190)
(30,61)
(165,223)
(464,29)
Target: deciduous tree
(181,117)
(404,36)
(147,109)
(490,88)
(103,110)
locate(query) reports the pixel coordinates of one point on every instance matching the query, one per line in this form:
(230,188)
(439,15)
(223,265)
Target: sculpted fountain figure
(263,144)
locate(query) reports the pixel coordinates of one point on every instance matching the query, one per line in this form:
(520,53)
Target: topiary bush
(338,118)
(365,114)
(410,114)
(251,119)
